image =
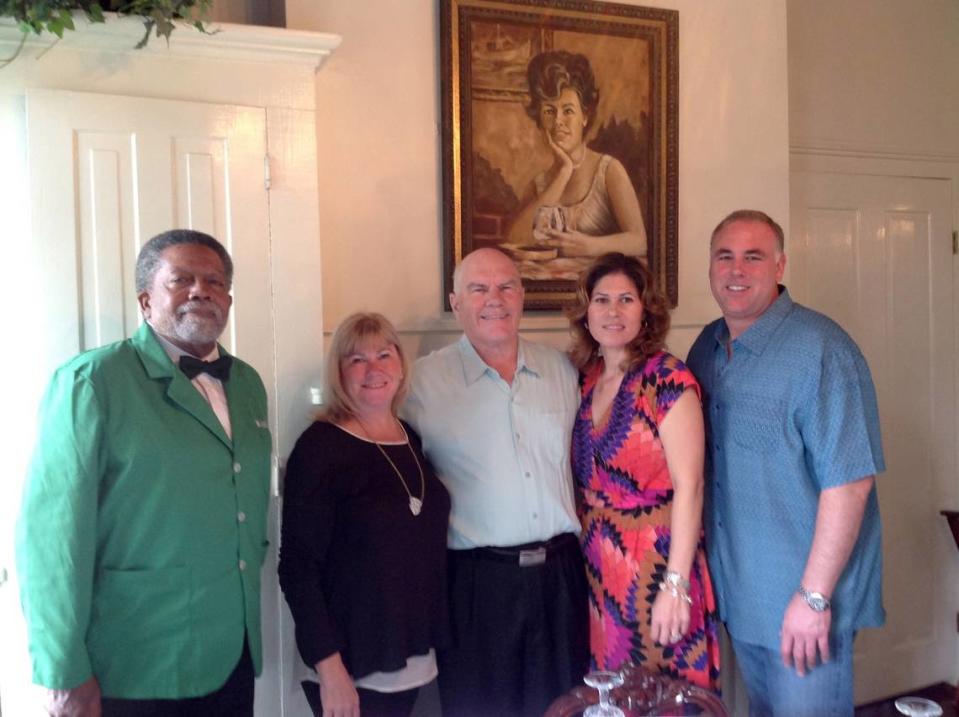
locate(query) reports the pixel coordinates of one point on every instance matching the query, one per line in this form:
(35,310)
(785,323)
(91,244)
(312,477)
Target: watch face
(815,600)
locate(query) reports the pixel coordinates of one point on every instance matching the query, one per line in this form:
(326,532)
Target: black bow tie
(193,367)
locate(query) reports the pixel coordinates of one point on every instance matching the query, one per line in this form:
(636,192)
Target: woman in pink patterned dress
(638,465)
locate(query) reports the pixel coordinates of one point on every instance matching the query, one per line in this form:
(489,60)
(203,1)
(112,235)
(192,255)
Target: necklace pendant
(416,505)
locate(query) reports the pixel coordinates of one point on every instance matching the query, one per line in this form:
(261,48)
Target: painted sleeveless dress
(592,215)
(624,499)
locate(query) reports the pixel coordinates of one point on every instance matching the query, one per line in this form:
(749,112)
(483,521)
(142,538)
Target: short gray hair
(751,215)
(458,277)
(148,261)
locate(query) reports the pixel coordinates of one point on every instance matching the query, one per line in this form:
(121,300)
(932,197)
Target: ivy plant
(56,16)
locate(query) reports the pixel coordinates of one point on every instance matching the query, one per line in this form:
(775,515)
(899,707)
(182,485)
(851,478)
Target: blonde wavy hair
(353,331)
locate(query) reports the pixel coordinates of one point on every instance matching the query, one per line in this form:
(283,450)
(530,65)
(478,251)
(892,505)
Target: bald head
(481,256)
(487,299)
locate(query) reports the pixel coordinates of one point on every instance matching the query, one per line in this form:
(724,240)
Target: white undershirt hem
(420,670)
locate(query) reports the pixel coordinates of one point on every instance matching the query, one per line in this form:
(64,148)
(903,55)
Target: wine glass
(918,707)
(548,218)
(603,681)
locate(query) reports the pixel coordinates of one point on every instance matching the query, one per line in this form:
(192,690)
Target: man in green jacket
(143,526)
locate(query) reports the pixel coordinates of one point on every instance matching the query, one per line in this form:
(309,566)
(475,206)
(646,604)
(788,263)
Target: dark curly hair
(655,326)
(549,73)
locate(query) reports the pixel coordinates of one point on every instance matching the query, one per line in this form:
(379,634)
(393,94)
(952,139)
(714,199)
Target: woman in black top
(363,552)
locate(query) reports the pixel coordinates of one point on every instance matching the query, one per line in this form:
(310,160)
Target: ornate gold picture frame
(560,137)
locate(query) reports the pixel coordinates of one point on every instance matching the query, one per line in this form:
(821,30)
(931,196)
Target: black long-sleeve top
(362,575)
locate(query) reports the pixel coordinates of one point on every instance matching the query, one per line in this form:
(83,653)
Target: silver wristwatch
(817,601)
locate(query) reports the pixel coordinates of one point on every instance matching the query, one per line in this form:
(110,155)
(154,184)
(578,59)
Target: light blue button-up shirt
(501,450)
(791,413)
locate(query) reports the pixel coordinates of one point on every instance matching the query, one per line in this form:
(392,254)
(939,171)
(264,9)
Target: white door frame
(946,485)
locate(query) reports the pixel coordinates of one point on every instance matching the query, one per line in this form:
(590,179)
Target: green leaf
(66,19)
(56,27)
(95,13)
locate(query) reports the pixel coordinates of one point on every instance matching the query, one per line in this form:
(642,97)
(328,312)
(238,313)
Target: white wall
(378,142)
(378,137)
(874,90)
(876,75)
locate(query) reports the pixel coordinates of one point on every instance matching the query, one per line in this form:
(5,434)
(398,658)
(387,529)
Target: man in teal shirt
(793,446)
(143,525)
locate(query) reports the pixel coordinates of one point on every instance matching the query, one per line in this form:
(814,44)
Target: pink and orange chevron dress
(624,499)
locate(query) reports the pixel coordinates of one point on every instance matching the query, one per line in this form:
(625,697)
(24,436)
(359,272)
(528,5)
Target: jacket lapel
(179,389)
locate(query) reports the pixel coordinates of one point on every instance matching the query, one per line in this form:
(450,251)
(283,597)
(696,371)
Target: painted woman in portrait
(584,204)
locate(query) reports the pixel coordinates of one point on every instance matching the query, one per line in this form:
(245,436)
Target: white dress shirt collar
(175,352)
(474,366)
(212,389)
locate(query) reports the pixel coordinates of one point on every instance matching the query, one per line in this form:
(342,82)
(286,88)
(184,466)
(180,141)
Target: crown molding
(838,148)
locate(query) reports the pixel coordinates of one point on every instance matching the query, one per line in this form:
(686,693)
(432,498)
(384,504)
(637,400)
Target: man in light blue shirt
(495,414)
(793,445)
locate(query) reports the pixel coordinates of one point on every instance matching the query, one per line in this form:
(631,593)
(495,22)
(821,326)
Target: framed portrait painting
(560,137)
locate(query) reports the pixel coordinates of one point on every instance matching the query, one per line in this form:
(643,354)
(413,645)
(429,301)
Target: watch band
(816,601)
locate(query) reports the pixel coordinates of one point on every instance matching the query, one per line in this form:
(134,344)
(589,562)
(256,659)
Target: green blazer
(143,526)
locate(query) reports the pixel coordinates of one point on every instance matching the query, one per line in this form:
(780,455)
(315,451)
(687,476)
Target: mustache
(201,306)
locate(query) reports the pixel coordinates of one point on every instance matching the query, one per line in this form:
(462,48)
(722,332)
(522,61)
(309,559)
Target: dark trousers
(234,698)
(520,632)
(372,703)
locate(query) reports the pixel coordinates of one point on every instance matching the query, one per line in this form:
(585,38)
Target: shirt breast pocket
(756,423)
(553,428)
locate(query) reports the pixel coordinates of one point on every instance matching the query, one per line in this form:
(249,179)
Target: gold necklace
(416,504)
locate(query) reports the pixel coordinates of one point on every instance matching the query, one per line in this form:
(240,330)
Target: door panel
(104,180)
(874,253)
(107,173)
(178,164)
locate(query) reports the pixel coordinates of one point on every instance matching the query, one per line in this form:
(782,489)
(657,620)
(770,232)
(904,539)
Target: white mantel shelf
(245,43)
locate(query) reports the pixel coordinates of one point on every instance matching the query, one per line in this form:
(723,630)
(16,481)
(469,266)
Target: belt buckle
(529,558)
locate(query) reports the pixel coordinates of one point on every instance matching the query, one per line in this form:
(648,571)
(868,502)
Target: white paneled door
(875,254)
(109,172)
(106,174)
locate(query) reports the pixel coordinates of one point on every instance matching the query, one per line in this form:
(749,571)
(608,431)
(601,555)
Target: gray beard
(193,330)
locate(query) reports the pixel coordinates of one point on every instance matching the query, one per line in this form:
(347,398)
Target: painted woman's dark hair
(549,73)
